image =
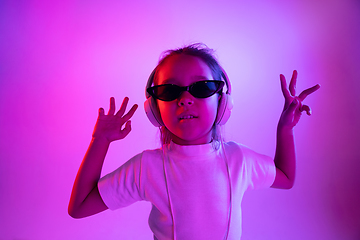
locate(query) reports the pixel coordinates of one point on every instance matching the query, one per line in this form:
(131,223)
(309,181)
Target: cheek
(164,109)
(212,107)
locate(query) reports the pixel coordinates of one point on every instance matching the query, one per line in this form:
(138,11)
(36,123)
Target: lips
(187,116)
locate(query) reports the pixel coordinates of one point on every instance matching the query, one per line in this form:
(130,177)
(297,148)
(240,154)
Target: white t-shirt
(190,188)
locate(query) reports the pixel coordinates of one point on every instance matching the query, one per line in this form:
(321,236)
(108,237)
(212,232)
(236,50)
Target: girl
(195,182)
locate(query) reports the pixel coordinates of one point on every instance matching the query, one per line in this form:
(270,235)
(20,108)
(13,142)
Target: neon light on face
(189,119)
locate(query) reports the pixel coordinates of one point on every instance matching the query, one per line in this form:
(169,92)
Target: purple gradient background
(61,61)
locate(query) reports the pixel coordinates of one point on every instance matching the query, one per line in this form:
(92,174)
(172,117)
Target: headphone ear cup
(152,112)
(224,109)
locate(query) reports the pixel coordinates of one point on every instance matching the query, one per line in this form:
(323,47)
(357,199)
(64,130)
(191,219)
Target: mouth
(187,117)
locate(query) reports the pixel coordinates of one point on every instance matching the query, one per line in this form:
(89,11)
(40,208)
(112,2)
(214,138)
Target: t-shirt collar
(192,150)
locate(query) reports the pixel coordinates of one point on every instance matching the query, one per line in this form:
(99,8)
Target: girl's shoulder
(151,156)
(152,152)
(141,158)
(242,151)
(234,146)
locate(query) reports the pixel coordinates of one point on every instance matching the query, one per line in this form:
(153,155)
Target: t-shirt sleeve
(259,169)
(121,187)
(251,169)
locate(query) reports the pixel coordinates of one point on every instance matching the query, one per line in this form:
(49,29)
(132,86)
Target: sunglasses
(201,89)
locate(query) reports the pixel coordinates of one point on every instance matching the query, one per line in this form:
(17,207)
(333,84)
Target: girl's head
(196,50)
(190,116)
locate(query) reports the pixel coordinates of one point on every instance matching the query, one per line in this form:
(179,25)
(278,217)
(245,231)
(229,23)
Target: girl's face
(189,119)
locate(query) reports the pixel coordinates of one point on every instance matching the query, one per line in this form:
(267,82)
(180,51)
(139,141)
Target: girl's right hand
(110,126)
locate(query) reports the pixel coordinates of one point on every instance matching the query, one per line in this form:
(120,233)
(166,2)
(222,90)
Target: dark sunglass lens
(166,92)
(204,89)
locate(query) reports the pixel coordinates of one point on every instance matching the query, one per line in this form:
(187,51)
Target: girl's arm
(285,156)
(85,198)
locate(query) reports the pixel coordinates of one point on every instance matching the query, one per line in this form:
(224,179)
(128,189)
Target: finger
(308,91)
(131,112)
(112,106)
(123,107)
(124,132)
(284,89)
(292,85)
(101,112)
(306,108)
(295,109)
(294,105)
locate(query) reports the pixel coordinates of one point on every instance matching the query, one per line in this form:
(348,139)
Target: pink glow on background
(61,61)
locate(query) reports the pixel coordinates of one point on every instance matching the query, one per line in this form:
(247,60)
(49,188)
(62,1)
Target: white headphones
(223,113)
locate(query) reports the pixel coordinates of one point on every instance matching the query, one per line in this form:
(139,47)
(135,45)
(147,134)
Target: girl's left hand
(293,104)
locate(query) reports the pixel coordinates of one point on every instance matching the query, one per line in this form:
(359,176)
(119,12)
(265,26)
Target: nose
(185,99)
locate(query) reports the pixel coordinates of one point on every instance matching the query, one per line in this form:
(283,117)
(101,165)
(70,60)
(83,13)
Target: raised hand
(293,104)
(110,126)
